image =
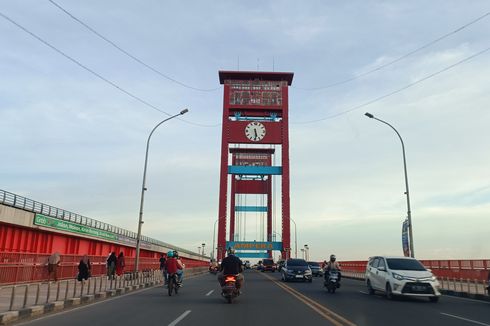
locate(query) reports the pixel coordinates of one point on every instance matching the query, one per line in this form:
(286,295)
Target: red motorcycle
(229,290)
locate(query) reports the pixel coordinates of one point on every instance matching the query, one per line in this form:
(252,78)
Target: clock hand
(255,132)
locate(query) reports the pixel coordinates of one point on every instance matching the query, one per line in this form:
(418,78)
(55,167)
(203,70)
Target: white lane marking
(175,322)
(209,293)
(465,319)
(364,292)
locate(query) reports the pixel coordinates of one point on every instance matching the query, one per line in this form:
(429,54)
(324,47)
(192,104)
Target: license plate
(299,276)
(418,288)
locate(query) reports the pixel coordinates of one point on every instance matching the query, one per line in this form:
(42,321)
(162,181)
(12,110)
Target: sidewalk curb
(473,296)
(38,310)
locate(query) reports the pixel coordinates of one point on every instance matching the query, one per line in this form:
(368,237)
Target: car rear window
(297,262)
(313,263)
(405,264)
(268,262)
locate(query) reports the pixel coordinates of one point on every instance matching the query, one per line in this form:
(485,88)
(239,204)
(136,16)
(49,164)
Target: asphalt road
(267,300)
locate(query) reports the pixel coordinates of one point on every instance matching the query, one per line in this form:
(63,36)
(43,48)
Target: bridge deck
(267,300)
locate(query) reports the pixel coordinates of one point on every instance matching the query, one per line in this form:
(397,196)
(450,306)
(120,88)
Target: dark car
(268,265)
(316,269)
(296,269)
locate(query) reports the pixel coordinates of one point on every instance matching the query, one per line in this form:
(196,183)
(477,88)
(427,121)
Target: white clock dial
(255,131)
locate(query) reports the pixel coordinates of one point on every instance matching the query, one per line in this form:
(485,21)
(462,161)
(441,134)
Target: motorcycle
(173,284)
(332,281)
(229,290)
(213,270)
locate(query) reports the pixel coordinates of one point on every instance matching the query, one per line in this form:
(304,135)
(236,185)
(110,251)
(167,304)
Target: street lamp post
(307,252)
(409,214)
(202,253)
(214,239)
(295,239)
(143,189)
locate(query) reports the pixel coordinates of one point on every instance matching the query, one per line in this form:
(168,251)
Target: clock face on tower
(255,131)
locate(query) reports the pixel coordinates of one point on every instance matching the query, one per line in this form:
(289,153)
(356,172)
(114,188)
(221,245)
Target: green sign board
(66,226)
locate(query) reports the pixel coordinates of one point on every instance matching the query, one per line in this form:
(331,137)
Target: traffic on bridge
(293,163)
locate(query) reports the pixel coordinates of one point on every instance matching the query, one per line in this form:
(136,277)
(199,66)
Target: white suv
(401,276)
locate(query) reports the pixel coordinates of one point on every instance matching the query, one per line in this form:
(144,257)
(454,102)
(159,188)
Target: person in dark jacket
(231,265)
(111,265)
(488,283)
(163,267)
(84,268)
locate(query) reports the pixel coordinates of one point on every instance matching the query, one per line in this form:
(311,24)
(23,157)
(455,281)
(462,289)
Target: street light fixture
(202,253)
(143,189)
(409,214)
(307,252)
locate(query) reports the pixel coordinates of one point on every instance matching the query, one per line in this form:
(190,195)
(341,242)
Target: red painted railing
(476,269)
(25,267)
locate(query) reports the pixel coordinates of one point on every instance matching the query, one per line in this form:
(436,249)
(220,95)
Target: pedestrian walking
(163,267)
(120,263)
(53,263)
(111,265)
(84,268)
(488,283)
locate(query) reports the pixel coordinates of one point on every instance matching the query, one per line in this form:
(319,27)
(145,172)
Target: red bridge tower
(255,130)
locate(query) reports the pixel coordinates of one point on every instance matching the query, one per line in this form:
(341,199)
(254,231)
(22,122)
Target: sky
(73,131)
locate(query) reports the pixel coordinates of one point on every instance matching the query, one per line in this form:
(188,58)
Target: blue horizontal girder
(250,208)
(254,170)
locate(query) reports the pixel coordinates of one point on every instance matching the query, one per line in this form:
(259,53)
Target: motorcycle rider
(332,265)
(180,271)
(213,266)
(172,265)
(231,265)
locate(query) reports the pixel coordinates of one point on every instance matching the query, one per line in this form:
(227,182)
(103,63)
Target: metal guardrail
(17,201)
(18,268)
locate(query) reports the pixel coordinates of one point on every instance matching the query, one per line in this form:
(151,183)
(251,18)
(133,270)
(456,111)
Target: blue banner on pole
(405,245)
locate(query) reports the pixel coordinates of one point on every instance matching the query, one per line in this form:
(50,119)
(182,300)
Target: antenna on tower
(258,61)
(273,64)
(238,63)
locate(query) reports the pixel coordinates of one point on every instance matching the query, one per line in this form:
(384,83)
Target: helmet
(231,251)
(332,257)
(170,254)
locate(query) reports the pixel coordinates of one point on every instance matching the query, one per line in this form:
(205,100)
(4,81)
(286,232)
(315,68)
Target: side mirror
(383,269)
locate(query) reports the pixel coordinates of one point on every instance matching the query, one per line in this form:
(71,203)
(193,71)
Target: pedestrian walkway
(19,296)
